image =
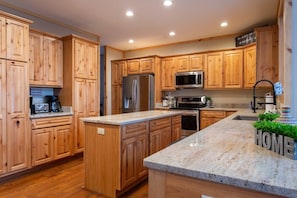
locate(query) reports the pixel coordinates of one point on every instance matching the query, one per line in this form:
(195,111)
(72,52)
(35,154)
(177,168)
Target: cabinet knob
(17,122)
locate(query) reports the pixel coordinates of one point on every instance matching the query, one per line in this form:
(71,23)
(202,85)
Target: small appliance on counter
(40,108)
(54,103)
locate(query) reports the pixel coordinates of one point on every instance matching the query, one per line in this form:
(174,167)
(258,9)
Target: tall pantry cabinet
(15,134)
(80,87)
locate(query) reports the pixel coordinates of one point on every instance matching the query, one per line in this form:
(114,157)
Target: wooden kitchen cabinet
(116,107)
(267,53)
(233,68)
(250,67)
(3,159)
(210,117)
(134,149)
(147,65)
(45,60)
(80,88)
(197,62)
(133,66)
(117,72)
(19,136)
(160,134)
(51,139)
(213,70)
(168,70)
(181,63)
(176,128)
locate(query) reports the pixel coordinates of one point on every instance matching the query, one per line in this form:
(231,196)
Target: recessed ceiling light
(172,33)
(167,3)
(129,13)
(131,41)
(224,24)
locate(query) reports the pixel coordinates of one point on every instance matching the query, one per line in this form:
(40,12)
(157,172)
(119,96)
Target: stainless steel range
(190,113)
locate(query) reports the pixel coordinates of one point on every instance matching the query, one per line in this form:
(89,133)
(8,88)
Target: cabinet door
(166,137)
(142,152)
(168,74)
(116,103)
(3,160)
(117,72)
(92,61)
(62,141)
(182,63)
(80,95)
(92,98)
(36,69)
(2,37)
(147,65)
(133,66)
(233,69)
(214,70)
(42,146)
(176,128)
(53,61)
(80,59)
(17,40)
(250,67)
(267,53)
(155,141)
(196,62)
(18,143)
(129,156)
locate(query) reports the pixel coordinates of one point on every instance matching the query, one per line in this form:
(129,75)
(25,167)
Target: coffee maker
(54,103)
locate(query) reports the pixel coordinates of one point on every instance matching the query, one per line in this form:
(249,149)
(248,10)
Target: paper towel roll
(269,99)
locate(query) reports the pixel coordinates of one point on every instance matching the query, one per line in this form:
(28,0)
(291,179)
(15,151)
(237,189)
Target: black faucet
(253,104)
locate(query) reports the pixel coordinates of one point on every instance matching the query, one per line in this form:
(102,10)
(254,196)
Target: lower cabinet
(176,128)
(51,139)
(134,150)
(160,134)
(209,117)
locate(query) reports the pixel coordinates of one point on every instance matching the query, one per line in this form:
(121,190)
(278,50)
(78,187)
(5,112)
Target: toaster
(40,108)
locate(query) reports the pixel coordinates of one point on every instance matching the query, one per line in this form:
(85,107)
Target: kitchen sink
(244,117)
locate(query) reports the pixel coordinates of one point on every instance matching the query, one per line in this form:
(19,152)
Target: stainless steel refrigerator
(138,93)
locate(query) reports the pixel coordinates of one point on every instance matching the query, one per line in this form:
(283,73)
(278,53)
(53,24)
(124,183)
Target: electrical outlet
(100,131)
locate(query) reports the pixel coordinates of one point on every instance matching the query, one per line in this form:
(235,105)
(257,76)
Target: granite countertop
(67,111)
(225,152)
(130,118)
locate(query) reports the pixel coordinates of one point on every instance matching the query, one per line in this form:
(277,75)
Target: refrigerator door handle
(136,95)
(133,95)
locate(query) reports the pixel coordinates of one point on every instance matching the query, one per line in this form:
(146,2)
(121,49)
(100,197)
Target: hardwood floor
(63,180)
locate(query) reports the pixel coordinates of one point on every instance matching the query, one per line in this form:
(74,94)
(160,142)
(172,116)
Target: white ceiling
(190,19)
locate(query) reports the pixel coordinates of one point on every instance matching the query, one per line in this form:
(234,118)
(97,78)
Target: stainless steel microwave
(189,79)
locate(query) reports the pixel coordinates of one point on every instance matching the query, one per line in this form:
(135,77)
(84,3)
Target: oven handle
(191,113)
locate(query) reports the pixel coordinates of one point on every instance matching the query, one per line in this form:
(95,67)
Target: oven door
(190,122)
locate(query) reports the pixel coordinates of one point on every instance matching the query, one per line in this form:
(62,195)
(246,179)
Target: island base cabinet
(162,184)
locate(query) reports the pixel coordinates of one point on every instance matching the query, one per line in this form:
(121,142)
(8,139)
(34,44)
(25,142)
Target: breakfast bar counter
(221,161)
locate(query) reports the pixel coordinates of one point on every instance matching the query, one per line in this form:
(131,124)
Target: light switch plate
(100,131)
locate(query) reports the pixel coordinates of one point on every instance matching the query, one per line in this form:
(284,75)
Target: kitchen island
(115,146)
(221,161)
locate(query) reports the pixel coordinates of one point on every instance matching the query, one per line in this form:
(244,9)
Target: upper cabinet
(133,66)
(249,64)
(182,63)
(233,68)
(168,74)
(141,66)
(214,70)
(196,62)
(45,60)
(267,53)
(14,33)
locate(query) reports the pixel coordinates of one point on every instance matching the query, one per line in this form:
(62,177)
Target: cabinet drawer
(160,123)
(132,130)
(51,122)
(213,114)
(176,119)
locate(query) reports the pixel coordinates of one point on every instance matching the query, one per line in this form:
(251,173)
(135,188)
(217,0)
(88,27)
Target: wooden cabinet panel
(62,141)
(117,69)
(18,143)
(17,34)
(233,69)
(133,130)
(142,152)
(147,65)
(53,61)
(3,160)
(208,118)
(36,69)
(214,70)
(80,58)
(267,53)
(155,141)
(92,97)
(176,128)
(249,67)
(80,95)
(182,63)
(133,66)
(197,62)
(51,122)
(168,74)
(42,146)
(160,123)
(92,61)
(2,37)
(116,93)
